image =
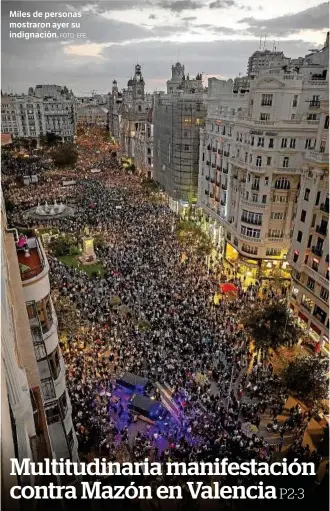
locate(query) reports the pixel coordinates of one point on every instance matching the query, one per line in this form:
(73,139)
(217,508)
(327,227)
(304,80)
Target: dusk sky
(214,37)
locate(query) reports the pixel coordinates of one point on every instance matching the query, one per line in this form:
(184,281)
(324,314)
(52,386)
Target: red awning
(228,287)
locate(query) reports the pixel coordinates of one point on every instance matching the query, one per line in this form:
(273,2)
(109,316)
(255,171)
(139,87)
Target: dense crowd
(163,325)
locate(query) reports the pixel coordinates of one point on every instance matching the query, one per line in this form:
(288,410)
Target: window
(260,142)
(271,143)
(313,220)
(326,123)
(269,160)
(54,362)
(318,195)
(324,294)
(248,249)
(322,146)
(258,161)
(273,251)
(275,233)
(252,140)
(251,233)
(292,143)
(282,184)
(63,404)
(186,147)
(277,216)
(310,237)
(281,198)
(53,413)
(299,236)
(295,256)
(284,143)
(295,100)
(264,117)
(315,264)
(320,314)
(285,162)
(266,99)
(264,199)
(307,192)
(266,181)
(254,197)
(308,143)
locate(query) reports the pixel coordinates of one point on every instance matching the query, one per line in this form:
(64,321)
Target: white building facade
(251,156)
(46,109)
(43,325)
(309,253)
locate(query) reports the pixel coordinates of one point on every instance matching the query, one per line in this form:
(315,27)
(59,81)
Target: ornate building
(134,112)
(309,253)
(252,151)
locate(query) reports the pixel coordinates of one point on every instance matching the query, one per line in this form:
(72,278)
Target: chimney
(327,41)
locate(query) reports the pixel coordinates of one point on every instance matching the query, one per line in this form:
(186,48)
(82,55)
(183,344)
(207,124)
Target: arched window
(282,184)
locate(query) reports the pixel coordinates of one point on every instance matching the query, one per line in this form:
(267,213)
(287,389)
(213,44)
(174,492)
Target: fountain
(55,210)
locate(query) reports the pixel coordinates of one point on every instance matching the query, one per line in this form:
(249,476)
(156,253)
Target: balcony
(321,229)
(213,165)
(314,104)
(317,156)
(224,186)
(250,221)
(226,153)
(225,171)
(30,258)
(207,178)
(325,207)
(317,251)
(208,163)
(223,203)
(214,149)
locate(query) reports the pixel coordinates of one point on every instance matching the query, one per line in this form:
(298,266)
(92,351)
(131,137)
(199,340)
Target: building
(24,429)
(134,113)
(262,60)
(144,148)
(252,151)
(92,115)
(45,109)
(178,117)
(115,106)
(309,253)
(179,82)
(34,270)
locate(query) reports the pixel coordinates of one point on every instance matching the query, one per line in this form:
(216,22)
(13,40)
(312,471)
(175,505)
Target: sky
(213,37)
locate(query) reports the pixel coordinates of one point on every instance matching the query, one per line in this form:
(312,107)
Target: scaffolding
(177,122)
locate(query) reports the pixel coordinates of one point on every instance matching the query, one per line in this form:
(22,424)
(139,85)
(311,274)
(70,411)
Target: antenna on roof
(260,44)
(265,42)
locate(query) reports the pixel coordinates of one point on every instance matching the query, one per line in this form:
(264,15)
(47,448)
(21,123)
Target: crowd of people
(151,313)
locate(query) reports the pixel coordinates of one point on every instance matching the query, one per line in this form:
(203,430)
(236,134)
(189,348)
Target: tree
(272,325)
(306,378)
(194,238)
(60,247)
(65,154)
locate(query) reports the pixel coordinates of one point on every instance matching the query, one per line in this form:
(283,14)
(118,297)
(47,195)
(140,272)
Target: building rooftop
(6,139)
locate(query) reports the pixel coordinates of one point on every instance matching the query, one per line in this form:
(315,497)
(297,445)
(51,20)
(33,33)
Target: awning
(228,287)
